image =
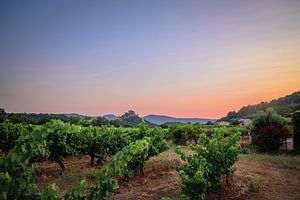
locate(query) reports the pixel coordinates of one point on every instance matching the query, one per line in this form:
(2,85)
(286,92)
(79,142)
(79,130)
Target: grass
(287,161)
(167,160)
(254,183)
(92,174)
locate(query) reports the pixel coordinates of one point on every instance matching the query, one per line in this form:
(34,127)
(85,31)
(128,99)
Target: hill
(283,105)
(76,115)
(161,119)
(110,117)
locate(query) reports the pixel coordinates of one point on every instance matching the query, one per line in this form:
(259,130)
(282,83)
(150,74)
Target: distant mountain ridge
(162,119)
(75,115)
(129,118)
(110,117)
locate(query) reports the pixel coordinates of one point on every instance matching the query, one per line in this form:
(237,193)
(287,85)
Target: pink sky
(178,58)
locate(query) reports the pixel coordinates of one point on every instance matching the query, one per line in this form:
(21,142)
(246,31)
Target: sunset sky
(179,58)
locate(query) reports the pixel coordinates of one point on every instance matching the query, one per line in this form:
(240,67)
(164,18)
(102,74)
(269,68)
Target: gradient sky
(180,58)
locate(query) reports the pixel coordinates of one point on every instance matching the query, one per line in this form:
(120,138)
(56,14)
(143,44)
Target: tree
(269,130)
(99,121)
(235,123)
(2,114)
(232,115)
(85,122)
(21,118)
(296,130)
(181,134)
(209,123)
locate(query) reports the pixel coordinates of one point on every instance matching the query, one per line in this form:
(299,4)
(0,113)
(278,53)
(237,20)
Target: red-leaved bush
(270,138)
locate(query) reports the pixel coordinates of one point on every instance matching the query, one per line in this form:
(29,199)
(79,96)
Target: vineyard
(119,152)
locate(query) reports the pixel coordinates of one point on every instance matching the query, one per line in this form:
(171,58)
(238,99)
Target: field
(63,161)
(257,176)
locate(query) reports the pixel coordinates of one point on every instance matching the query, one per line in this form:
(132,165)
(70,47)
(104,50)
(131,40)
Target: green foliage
(86,122)
(157,142)
(33,146)
(213,158)
(100,142)
(232,115)
(2,115)
(50,193)
(235,123)
(21,118)
(269,130)
(77,193)
(182,133)
(9,133)
(17,188)
(93,144)
(296,130)
(268,117)
(100,121)
(131,158)
(55,140)
(16,169)
(104,188)
(62,140)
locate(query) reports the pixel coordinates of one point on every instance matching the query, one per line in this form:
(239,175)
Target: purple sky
(180,58)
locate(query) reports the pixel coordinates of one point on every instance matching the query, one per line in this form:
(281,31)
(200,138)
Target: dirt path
(276,182)
(151,186)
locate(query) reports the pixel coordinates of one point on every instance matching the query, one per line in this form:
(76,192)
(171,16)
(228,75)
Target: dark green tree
(235,123)
(21,118)
(296,130)
(232,115)
(2,114)
(99,121)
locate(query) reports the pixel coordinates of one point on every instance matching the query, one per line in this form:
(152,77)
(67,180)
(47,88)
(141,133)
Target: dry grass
(286,161)
(273,176)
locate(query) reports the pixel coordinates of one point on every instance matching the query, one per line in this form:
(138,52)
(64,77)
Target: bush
(296,130)
(269,130)
(213,158)
(9,133)
(182,133)
(270,138)
(62,139)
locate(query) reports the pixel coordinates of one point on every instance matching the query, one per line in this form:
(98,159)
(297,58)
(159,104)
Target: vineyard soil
(275,181)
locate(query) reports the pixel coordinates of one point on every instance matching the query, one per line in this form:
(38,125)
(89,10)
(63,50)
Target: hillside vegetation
(283,106)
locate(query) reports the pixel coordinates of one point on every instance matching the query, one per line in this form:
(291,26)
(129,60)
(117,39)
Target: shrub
(269,130)
(182,133)
(270,138)
(62,140)
(296,130)
(9,133)
(213,158)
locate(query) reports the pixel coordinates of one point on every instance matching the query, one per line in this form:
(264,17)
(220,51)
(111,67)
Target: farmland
(60,160)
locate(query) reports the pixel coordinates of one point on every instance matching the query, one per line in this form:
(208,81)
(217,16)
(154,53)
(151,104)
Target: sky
(178,58)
